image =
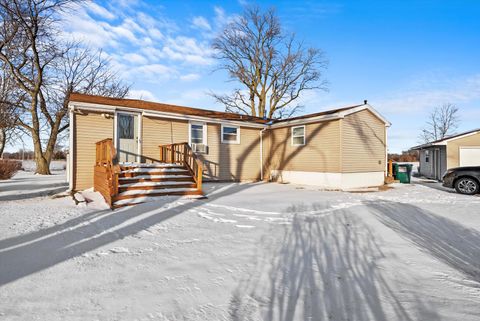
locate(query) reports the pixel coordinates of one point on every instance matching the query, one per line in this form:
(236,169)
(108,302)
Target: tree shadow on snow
(325,268)
(448,241)
(37,191)
(30,253)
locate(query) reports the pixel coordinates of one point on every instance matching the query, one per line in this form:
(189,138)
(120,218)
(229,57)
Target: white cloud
(155,33)
(195,98)
(135,58)
(142,94)
(99,10)
(188,50)
(190,77)
(153,73)
(201,23)
(137,32)
(428,93)
(220,16)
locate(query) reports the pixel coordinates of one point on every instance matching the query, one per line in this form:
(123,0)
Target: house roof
(168,108)
(323,113)
(147,105)
(446,139)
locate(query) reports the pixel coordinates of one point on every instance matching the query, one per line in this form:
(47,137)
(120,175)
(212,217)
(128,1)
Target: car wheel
(467,185)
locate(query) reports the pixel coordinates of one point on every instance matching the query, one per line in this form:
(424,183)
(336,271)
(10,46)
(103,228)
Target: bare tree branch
(273,68)
(46,70)
(442,122)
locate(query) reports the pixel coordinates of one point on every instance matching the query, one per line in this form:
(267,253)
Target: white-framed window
(230,134)
(298,135)
(197,136)
(427,156)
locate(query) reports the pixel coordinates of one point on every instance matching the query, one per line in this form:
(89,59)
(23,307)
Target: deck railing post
(185,163)
(199,175)
(175,153)
(106,170)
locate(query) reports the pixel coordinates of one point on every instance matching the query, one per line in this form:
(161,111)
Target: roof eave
(152,113)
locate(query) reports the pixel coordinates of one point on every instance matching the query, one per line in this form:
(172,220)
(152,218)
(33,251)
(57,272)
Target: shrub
(8,168)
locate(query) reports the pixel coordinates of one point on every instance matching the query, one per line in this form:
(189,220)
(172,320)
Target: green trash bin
(402,172)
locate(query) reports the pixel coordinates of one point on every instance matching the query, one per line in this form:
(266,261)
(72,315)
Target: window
(196,132)
(298,136)
(198,137)
(427,156)
(125,126)
(230,134)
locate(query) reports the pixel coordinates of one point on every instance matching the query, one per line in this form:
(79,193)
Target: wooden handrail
(106,170)
(182,153)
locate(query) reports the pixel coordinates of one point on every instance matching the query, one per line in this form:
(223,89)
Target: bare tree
(47,70)
(273,68)
(10,99)
(442,121)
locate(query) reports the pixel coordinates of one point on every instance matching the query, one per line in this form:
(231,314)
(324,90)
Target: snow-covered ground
(247,252)
(55,165)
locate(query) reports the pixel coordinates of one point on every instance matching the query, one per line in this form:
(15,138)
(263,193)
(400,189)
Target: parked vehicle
(465,180)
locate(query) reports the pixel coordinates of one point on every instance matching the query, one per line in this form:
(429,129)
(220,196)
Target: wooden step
(156,172)
(132,194)
(160,178)
(149,166)
(156,186)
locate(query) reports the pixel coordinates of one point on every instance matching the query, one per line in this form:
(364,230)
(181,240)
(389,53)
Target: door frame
(115,130)
(437,163)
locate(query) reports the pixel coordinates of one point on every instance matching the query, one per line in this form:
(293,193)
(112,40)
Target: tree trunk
(3,140)
(43,166)
(43,163)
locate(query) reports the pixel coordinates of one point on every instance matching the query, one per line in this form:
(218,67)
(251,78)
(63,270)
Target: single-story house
(453,151)
(339,148)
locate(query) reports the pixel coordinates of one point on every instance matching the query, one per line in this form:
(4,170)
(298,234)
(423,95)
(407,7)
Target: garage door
(469,156)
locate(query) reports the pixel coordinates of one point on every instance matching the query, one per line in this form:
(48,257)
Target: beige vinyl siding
(233,161)
(321,152)
(363,143)
(453,148)
(161,131)
(222,161)
(89,128)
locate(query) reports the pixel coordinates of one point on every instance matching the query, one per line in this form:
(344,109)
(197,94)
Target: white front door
(127,137)
(469,156)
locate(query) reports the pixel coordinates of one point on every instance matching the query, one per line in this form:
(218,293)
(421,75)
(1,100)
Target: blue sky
(405,57)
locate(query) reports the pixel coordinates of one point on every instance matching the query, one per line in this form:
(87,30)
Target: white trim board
(330,180)
(139,131)
(205,131)
(304,135)
(236,142)
(158,114)
(152,113)
(71,148)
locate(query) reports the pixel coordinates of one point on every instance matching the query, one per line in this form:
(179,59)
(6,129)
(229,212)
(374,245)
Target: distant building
(458,150)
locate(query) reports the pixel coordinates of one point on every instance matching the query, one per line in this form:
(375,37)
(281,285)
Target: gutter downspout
(71,133)
(261,148)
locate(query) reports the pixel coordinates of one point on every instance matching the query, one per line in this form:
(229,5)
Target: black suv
(465,180)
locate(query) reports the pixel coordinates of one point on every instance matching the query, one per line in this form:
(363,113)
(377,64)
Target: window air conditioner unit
(199,148)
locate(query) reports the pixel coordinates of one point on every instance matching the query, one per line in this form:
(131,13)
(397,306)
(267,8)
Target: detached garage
(453,151)
(469,156)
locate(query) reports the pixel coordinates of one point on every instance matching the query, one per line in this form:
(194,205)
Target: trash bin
(402,172)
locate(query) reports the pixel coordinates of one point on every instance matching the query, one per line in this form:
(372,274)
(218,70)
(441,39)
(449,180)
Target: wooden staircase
(178,172)
(139,182)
